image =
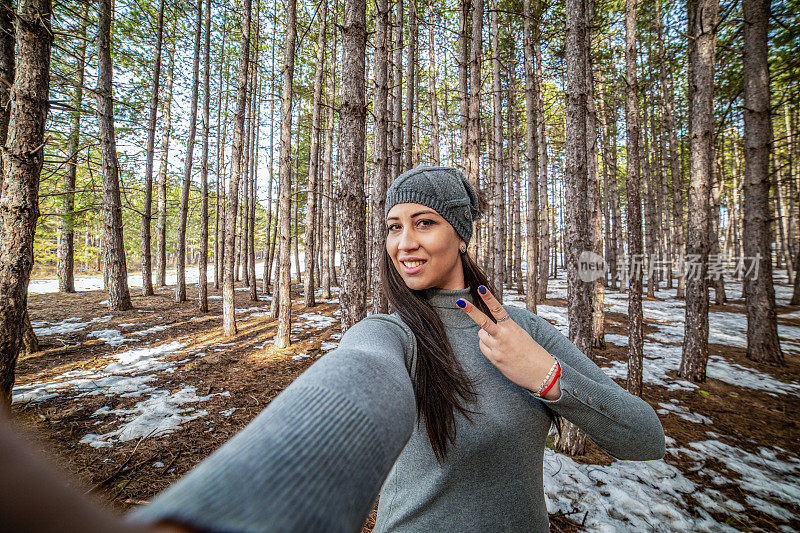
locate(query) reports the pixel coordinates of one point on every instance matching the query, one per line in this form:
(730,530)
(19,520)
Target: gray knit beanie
(444,189)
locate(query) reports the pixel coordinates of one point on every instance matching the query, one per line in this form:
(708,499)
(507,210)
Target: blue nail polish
(461,303)
(482,289)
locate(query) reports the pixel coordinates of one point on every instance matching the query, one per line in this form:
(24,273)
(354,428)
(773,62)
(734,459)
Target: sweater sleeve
(621,423)
(315,458)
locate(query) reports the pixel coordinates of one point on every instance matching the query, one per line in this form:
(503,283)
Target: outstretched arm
(622,424)
(524,348)
(316,457)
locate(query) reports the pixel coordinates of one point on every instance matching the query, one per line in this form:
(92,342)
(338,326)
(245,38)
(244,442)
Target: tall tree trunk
(219,186)
(762,329)
(7,69)
(619,237)
(796,290)
(677,188)
(314,159)
(632,182)
(119,298)
(202,279)
(717,182)
(411,80)
(147,279)
(397,136)
(381,178)
(532,160)
(544,204)
(516,196)
(228,313)
(244,213)
(350,197)
(329,205)
(23,156)
(433,98)
(471,166)
(571,439)
(649,206)
(66,248)
(161,229)
(295,231)
(270,240)
(702,16)
(180,286)
(610,235)
(782,217)
(593,188)
(283,335)
(497,159)
(251,215)
(463,76)
(671,156)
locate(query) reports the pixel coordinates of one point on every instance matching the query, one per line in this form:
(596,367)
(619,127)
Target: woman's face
(415,233)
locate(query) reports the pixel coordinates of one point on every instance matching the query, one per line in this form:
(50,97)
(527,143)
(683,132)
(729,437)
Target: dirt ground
(124,475)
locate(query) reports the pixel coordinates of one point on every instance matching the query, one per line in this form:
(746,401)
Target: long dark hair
(442,385)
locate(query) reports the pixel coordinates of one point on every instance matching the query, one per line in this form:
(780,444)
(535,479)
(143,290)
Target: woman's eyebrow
(414,215)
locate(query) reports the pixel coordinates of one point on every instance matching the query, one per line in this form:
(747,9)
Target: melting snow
(317,321)
(158,415)
(126,375)
(68,325)
(111,336)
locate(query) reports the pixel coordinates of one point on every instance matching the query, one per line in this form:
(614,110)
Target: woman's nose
(407,240)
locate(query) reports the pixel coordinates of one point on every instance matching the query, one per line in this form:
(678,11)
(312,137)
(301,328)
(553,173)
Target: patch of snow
(160,414)
(68,325)
(317,321)
(153,329)
(127,374)
(682,412)
(616,338)
(327,346)
(228,412)
(112,337)
(655,495)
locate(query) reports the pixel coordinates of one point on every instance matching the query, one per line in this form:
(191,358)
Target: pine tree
(762,329)
(350,197)
(228,316)
(116,270)
(22,165)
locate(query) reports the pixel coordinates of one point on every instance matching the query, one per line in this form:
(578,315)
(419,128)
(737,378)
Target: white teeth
(412,264)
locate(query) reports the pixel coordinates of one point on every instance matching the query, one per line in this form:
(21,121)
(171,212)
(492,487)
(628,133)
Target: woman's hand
(509,347)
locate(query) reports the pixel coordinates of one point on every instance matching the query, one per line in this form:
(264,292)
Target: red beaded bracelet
(558,373)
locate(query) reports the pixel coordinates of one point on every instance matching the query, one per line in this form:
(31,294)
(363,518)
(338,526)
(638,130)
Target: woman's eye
(427,222)
(390,227)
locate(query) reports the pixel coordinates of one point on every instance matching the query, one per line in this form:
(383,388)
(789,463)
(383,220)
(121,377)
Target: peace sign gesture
(508,346)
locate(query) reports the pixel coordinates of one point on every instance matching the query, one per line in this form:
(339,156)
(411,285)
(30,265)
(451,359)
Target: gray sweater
(316,457)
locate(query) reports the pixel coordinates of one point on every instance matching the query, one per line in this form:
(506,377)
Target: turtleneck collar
(444,302)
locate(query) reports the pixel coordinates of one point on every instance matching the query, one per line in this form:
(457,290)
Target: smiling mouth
(412,267)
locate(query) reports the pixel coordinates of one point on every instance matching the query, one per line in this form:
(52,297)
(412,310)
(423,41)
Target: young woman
(451,396)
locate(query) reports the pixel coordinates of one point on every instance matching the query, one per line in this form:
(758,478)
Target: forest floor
(128,402)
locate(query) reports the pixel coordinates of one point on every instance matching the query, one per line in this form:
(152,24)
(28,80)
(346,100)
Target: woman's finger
(487,339)
(485,349)
(491,302)
(481,319)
